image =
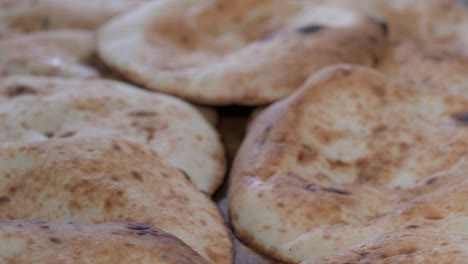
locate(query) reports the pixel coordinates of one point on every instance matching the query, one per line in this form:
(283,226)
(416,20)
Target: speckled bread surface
(348,157)
(103,179)
(403,247)
(37,108)
(65,53)
(244,52)
(22,16)
(41,242)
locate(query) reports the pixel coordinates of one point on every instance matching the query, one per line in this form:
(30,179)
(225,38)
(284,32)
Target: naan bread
(235,52)
(66,53)
(18,16)
(346,158)
(41,242)
(39,108)
(98,180)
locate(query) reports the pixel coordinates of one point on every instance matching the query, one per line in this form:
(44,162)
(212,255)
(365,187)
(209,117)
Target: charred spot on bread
(18,90)
(461,117)
(4,199)
(337,191)
(309,29)
(54,240)
(310,187)
(137,226)
(412,227)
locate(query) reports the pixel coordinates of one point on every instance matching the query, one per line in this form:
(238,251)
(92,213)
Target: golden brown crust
(235,52)
(347,157)
(96,180)
(34,241)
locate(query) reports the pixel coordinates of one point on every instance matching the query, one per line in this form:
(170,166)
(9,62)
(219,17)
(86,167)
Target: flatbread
(223,52)
(29,241)
(430,23)
(405,246)
(346,158)
(102,179)
(65,53)
(432,69)
(40,108)
(19,16)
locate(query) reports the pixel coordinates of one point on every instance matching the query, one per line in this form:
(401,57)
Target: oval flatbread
(222,52)
(41,242)
(39,108)
(104,179)
(348,157)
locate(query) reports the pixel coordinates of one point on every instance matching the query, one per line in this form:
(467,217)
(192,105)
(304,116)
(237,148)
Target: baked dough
(66,53)
(432,69)
(97,180)
(245,52)
(404,247)
(39,108)
(19,16)
(41,242)
(346,158)
(430,23)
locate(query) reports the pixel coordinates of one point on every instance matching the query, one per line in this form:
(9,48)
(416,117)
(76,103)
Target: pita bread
(405,246)
(430,23)
(434,69)
(38,108)
(222,52)
(64,53)
(37,15)
(97,180)
(346,158)
(29,241)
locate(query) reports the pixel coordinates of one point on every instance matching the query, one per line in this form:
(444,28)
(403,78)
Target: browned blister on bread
(235,52)
(104,179)
(346,158)
(42,242)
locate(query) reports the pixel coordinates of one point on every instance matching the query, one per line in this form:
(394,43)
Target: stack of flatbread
(95,170)
(357,154)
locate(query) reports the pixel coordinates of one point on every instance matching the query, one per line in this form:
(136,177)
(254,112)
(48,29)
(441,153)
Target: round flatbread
(37,15)
(66,53)
(348,157)
(430,23)
(39,108)
(97,180)
(222,52)
(433,69)
(33,241)
(405,246)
